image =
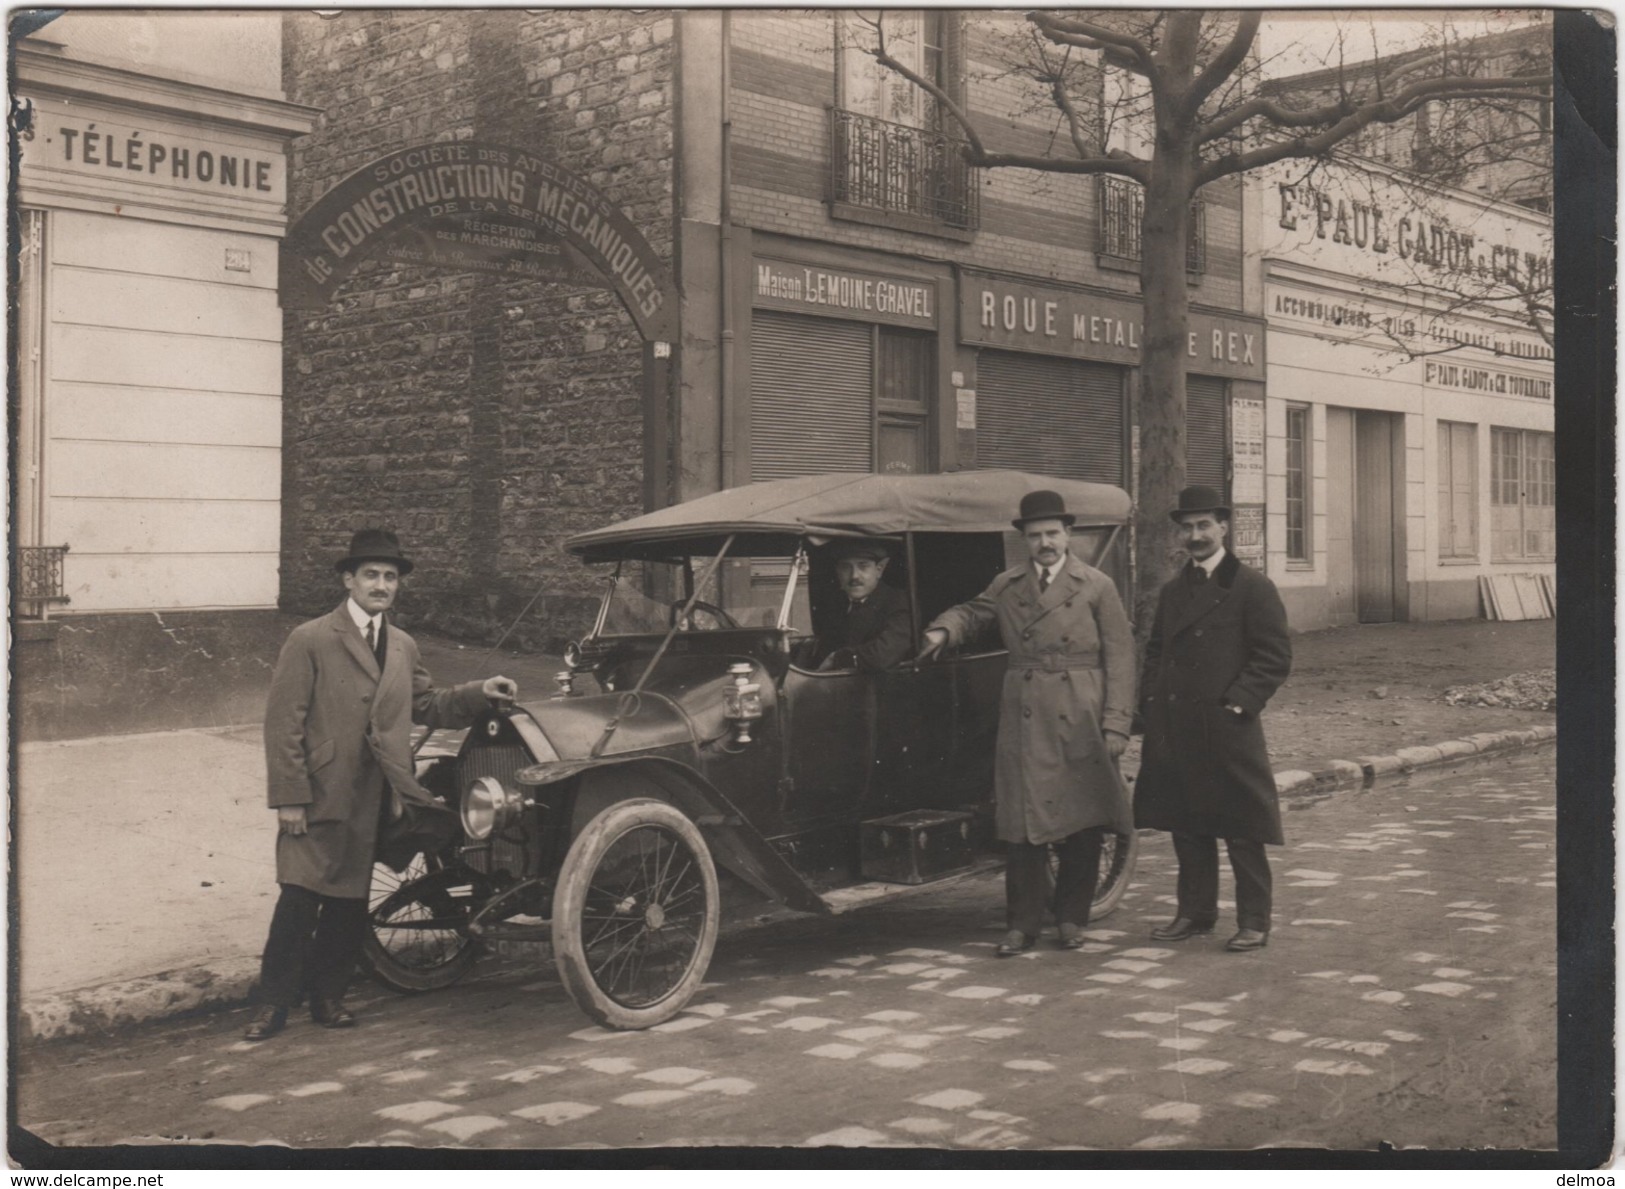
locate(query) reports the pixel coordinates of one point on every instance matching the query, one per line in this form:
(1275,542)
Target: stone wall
(485,420)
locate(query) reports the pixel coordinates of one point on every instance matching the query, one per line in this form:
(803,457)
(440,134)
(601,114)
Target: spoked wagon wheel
(418,937)
(635,914)
(1117,855)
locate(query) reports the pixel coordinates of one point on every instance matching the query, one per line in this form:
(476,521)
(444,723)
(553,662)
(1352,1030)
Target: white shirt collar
(1054,570)
(360,617)
(1212,563)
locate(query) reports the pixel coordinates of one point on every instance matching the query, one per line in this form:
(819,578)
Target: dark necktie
(376,643)
(1043,581)
(1198,574)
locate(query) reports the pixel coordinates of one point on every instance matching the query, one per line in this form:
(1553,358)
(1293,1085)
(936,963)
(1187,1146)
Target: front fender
(737,845)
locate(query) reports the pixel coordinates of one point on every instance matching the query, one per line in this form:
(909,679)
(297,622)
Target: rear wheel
(635,914)
(418,937)
(1118,853)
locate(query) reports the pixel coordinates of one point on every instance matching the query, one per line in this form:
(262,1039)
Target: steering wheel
(723,619)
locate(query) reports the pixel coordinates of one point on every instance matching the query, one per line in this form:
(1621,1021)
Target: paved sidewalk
(145,862)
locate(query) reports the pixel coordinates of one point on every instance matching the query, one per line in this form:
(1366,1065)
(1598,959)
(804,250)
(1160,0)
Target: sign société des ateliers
(477,207)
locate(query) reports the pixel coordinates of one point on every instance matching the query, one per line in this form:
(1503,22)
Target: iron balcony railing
(39,579)
(901,170)
(1122,207)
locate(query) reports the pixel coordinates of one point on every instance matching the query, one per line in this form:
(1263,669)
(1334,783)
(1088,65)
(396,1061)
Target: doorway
(1364,468)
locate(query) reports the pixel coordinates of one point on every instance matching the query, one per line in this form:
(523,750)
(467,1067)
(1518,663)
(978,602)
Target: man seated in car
(869,626)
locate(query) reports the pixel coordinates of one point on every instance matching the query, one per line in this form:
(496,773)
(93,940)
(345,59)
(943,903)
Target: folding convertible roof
(773,515)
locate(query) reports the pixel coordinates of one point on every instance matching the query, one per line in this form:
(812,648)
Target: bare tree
(1193,78)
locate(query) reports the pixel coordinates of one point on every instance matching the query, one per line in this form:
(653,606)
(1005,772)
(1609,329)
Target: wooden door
(1340,605)
(1374,569)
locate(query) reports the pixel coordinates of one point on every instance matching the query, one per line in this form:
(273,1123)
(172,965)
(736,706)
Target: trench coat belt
(1057,661)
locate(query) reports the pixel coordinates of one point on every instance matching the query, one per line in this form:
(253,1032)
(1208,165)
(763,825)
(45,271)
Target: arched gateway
(476,206)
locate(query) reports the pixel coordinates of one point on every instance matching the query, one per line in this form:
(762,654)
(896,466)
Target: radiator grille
(501,761)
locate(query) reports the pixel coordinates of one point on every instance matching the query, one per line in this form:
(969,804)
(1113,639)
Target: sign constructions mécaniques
(477,207)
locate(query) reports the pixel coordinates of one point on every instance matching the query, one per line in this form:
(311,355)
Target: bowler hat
(859,547)
(374,544)
(1043,505)
(1200,499)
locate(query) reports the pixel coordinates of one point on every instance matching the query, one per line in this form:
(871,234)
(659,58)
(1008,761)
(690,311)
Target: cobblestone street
(1407,996)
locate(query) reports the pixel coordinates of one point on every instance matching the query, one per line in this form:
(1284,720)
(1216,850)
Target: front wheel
(1118,853)
(417,937)
(635,914)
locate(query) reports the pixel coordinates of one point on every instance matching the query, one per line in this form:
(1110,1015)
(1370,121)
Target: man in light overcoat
(1063,720)
(1218,651)
(338,755)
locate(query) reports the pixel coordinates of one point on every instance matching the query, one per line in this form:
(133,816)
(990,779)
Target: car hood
(574,725)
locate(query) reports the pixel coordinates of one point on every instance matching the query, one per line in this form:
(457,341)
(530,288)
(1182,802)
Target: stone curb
(226,983)
(1364,769)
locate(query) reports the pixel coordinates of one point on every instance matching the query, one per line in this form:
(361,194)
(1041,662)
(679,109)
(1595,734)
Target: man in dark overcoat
(1063,720)
(338,756)
(871,628)
(1218,651)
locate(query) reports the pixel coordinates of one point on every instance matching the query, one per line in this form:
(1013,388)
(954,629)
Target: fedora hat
(374,544)
(1200,499)
(1043,505)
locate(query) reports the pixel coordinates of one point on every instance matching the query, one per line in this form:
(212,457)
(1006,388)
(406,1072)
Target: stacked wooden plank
(1518,596)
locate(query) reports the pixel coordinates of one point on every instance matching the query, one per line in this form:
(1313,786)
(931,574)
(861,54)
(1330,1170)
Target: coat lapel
(1207,596)
(355,645)
(1068,582)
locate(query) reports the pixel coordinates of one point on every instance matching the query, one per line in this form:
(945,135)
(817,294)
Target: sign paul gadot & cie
(479,207)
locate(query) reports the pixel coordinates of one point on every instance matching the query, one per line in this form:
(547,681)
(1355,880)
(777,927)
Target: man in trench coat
(338,755)
(1063,720)
(1218,651)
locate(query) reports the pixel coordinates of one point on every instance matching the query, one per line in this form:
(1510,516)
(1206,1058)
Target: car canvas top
(773,514)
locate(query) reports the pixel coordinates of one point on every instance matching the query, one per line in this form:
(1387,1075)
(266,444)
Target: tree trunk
(1164,231)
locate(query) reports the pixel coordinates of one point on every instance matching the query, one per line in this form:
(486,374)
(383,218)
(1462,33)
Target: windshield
(646,597)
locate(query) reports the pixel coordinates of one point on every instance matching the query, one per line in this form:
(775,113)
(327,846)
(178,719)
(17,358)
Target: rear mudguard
(737,845)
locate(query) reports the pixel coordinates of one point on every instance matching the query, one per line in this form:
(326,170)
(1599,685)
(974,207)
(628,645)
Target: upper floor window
(1122,206)
(895,156)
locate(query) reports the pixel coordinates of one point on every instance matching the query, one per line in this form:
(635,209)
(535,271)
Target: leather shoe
(1015,942)
(330,1013)
(1180,928)
(1246,940)
(1070,936)
(267,1022)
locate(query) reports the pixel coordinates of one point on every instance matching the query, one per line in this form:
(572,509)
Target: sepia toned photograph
(633,579)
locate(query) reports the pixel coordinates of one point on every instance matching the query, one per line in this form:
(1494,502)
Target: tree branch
(1386,111)
(1224,64)
(976,151)
(1074,124)
(1090,35)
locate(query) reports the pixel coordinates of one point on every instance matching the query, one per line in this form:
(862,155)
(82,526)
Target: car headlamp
(489,806)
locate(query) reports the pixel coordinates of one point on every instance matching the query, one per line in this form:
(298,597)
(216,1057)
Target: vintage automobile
(597,821)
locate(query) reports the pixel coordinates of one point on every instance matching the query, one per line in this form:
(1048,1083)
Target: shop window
(893,152)
(1297,483)
(1122,207)
(1458,491)
(1523,496)
(830,395)
(1207,432)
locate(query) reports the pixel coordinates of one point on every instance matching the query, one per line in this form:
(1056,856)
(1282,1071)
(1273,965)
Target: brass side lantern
(743,701)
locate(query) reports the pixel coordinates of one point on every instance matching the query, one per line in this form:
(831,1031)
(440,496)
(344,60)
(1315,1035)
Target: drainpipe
(725,461)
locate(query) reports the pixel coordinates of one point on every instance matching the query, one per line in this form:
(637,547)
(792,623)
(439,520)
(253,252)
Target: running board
(843,900)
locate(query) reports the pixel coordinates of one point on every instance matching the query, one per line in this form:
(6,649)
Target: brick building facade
(485,419)
(852,296)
